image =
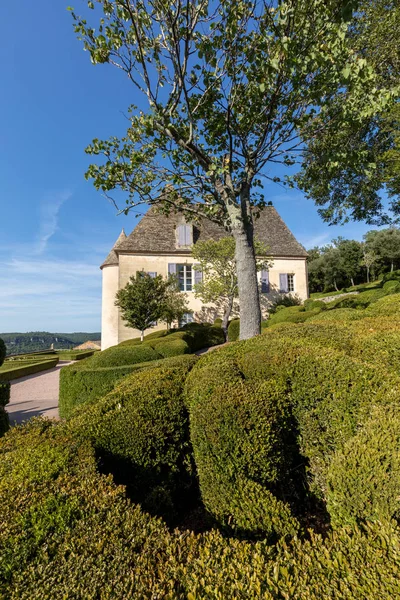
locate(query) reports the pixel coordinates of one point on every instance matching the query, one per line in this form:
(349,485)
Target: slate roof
(112,258)
(155,234)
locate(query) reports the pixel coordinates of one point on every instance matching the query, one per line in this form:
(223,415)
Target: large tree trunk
(249,300)
(227,314)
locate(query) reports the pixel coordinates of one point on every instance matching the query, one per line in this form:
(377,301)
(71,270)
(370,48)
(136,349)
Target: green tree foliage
(226,90)
(175,303)
(373,139)
(216,261)
(368,259)
(142,301)
(386,244)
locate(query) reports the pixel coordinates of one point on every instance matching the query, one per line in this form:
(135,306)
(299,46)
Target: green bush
(218,322)
(13,369)
(364,477)
(3,351)
(339,314)
(361,300)
(389,305)
(4,393)
(118,356)
(242,435)
(233,330)
(392,276)
(312,304)
(391,287)
(292,314)
(171,347)
(140,431)
(285,301)
(96,376)
(66,531)
(74,354)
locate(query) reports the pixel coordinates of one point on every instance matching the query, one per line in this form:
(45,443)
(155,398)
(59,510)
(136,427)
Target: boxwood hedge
(140,431)
(68,532)
(96,376)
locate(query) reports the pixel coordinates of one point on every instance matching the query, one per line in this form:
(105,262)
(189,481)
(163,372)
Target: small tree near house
(175,303)
(219,284)
(142,301)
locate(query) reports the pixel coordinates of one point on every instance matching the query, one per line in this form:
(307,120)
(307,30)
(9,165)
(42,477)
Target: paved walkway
(35,395)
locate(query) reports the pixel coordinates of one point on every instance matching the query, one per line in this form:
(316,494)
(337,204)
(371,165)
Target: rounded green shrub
(392,276)
(364,477)
(141,432)
(391,287)
(292,314)
(218,322)
(234,330)
(171,347)
(242,433)
(386,306)
(312,304)
(117,356)
(339,314)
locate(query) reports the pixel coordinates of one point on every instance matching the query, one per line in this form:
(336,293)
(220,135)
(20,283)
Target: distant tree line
(18,343)
(345,263)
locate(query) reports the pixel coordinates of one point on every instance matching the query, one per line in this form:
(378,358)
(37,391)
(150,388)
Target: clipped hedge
(364,477)
(140,431)
(68,532)
(74,354)
(292,314)
(234,330)
(387,306)
(242,435)
(94,377)
(14,369)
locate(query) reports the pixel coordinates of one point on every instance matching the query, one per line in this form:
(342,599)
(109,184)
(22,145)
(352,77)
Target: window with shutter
(283,283)
(198,275)
(265,282)
(152,274)
(188,235)
(185,235)
(171,269)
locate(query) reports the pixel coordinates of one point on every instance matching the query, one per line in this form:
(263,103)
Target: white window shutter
(265,282)
(283,283)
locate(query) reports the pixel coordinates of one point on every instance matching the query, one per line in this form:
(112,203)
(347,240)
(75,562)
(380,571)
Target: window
(184,273)
(185,235)
(185,319)
(152,274)
(290,282)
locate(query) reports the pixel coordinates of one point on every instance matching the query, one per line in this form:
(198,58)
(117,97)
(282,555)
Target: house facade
(161,245)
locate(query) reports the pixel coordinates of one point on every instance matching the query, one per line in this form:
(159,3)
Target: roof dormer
(184,234)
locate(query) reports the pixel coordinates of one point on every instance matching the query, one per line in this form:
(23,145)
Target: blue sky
(55,229)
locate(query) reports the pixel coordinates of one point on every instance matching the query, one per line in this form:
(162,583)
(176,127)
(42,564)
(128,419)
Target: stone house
(161,245)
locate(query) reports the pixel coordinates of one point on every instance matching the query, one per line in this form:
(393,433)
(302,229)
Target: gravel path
(35,395)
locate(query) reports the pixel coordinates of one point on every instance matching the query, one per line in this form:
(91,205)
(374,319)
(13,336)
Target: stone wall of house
(114,278)
(109,312)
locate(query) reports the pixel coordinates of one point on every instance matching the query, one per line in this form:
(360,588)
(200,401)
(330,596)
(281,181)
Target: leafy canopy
(226,90)
(142,300)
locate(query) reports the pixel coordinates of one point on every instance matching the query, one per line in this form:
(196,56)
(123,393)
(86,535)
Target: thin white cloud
(49,209)
(316,240)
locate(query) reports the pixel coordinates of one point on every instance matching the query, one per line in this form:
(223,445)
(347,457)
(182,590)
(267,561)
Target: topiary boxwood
(140,431)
